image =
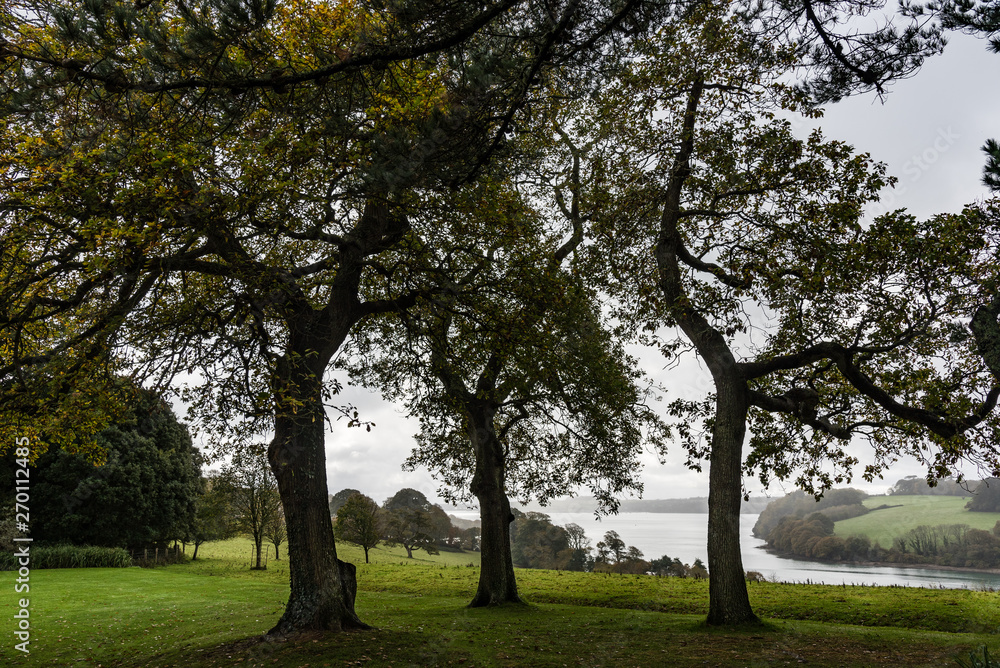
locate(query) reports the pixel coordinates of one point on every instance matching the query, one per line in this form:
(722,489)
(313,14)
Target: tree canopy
(358,521)
(145,494)
(814,326)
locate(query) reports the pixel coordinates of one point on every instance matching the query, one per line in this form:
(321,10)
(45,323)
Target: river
(684,535)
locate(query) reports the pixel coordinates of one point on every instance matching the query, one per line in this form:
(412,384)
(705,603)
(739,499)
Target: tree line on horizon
(409,520)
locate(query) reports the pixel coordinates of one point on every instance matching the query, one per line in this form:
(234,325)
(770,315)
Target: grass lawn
(885,524)
(212,612)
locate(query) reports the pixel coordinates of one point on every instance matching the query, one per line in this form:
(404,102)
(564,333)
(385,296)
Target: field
(884,525)
(212,612)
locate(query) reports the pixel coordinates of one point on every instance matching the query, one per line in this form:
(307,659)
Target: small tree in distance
(409,519)
(252,492)
(358,522)
(212,519)
(275,531)
(340,498)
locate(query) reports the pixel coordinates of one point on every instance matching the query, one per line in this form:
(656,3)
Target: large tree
(519,387)
(813,326)
(144,494)
(205,187)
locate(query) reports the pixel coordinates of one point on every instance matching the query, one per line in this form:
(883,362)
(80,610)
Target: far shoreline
(881,564)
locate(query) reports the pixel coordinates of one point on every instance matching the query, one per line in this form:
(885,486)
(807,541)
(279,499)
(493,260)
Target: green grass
(912,511)
(212,612)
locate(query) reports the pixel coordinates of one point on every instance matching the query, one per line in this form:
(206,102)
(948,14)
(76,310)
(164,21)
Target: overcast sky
(929,131)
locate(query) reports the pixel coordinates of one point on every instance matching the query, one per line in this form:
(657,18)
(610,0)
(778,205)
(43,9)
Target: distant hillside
(903,513)
(459,523)
(836,504)
(698,504)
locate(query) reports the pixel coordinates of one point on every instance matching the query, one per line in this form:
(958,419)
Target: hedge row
(69,556)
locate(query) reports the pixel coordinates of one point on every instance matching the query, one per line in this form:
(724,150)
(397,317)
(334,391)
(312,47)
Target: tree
(340,498)
(144,494)
(358,522)
(520,388)
(579,544)
(249,486)
(986,498)
(409,527)
(577,537)
(615,546)
(865,330)
(409,519)
(275,531)
(212,520)
(208,189)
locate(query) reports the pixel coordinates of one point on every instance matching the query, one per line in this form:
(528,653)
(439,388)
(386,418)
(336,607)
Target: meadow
(907,513)
(211,612)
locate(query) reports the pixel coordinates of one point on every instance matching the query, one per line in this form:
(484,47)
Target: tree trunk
(366,554)
(322,586)
(728,599)
(497,584)
(258,546)
(729,603)
(194,556)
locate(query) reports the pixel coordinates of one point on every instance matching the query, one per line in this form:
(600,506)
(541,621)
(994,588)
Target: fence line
(155,556)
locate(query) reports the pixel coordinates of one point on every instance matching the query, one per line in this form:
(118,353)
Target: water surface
(684,536)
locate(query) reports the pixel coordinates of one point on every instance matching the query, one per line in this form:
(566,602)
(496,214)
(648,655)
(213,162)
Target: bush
(70,556)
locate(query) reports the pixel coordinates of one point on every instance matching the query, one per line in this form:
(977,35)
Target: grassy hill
(909,512)
(212,612)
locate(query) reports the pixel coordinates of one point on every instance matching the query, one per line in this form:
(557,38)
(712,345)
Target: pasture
(211,613)
(908,513)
